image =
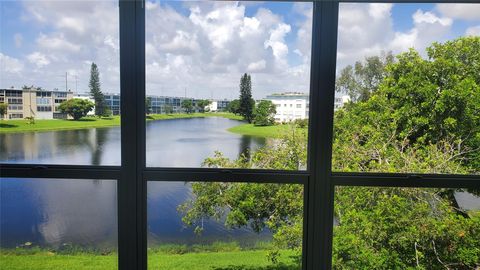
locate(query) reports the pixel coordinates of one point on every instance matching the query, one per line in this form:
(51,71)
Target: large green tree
(362,79)
(187,105)
(76,107)
(202,104)
(101,108)
(246,101)
(264,113)
(234,106)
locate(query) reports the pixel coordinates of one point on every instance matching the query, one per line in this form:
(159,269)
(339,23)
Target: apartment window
(15,116)
(15,107)
(299,106)
(44,108)
(13,93)
(58,101)
(378,190)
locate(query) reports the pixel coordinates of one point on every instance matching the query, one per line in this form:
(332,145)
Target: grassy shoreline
(255,259)
(275,131)
(20,126)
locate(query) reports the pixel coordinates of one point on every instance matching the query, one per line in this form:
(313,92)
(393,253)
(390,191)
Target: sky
(201,49)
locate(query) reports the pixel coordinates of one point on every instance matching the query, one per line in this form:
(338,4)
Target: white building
(295,105)
(290,106)
(212,107)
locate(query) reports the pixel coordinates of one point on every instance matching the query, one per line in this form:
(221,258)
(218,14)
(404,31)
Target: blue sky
(205,47)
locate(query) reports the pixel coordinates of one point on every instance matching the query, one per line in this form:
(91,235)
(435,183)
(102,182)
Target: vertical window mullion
(320,187)
(130,188)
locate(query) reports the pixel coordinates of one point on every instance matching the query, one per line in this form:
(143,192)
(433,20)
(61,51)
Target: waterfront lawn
(17,126)
(230,260)
(275,131)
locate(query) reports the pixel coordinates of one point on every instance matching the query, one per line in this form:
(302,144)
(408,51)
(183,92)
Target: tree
(3,109)
(76,107)
(246,101)
(202,103)
(187,105)
(363,79)
(264,113)
(95,91)
(168,109)
(234,106)
(148,105)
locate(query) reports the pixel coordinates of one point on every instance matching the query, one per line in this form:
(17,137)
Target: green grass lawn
(276,131)
(231,260)
(16,126)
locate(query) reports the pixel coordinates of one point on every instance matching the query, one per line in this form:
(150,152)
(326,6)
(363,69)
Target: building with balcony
(34,102)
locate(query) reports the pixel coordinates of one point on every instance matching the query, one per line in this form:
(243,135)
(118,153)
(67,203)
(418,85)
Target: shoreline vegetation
(224,256)
(21,126)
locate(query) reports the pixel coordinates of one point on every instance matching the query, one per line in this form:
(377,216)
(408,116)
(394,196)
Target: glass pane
(59,82)
(224,225)
(58,224)
(200,54)
(408,89)
(406,228)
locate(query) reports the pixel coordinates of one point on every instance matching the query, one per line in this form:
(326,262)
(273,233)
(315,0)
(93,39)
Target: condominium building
(33,102)
(295,105)
(290,106)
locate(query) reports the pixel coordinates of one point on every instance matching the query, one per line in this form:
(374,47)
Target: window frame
(318,180)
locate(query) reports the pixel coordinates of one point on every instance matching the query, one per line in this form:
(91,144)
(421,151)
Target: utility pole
(76,83)
(66,81)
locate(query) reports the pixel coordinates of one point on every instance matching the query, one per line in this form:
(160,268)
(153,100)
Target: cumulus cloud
(70,36)
(460,11)
(208,48)
(38,59)
(9,64)
(368,29)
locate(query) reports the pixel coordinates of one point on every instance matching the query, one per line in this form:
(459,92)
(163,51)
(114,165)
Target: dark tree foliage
(3,109)
(76,107)
(202,103)
(264,113)
(234,106)
(94,85)
(246,101)
(187,105)
(148,105)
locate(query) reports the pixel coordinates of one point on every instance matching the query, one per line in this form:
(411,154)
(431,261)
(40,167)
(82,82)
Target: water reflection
(53,213)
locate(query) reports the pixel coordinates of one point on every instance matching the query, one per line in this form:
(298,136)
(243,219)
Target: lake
(83,212)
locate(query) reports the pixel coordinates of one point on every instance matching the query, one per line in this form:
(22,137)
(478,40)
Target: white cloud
(38,59)
(57,43)
(257,66)
(473,31)
(427,17)
(460,11)
(9,64)
(368,29)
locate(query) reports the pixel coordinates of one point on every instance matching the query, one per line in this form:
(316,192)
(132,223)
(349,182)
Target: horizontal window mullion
(222,175)
(406,180)
(59,171)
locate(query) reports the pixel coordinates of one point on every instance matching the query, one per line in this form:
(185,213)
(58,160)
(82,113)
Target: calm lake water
(58,212)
